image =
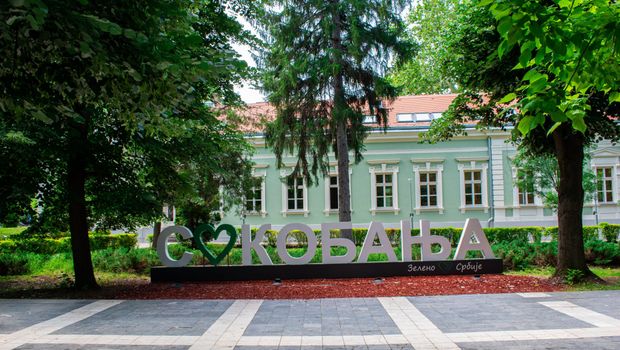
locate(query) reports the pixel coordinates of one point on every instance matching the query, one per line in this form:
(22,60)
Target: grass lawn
(611,275)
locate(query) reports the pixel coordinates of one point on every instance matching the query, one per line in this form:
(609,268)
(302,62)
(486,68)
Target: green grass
(10,231)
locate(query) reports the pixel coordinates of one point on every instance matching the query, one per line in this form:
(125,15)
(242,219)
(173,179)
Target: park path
(493,321)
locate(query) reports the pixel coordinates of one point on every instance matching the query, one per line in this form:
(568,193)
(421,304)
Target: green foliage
(568,51)
(105,107)
(540,174)
(498,235)
(50,246)
(517,255)
(13,264)
(429,24)
(322,66)
(125,260)
(10,231)
(602,253)
(610,231)
(574,276)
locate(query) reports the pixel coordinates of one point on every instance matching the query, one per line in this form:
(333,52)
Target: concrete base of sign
(353,270)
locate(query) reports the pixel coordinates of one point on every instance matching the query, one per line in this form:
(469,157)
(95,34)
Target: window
(427,177)
(525,190)
(473,173)
(333,192)
(404,117)
(369,119)
(422,117)
(604,183)
(437,115)
(254,200)
(384,190)
(428,189)
(295,194)
(384,186)
(473,187)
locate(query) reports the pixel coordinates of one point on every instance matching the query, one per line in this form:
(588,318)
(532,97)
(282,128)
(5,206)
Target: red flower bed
(335,288)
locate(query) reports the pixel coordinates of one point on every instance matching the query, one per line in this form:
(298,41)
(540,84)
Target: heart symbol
(208,228)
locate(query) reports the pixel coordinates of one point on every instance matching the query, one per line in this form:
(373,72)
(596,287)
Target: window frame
(474,164)
(612,185)
(434,165)
(383,167)
(285,199)
(334,172)
(261,174)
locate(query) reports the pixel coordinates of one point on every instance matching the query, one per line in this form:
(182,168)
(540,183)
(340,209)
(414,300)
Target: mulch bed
(302,289)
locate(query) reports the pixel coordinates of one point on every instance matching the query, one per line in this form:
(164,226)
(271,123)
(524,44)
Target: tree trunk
(569,152)
(156,232)
(339,116)
(78,219)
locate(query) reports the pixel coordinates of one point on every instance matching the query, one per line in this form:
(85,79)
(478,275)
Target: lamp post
(411,215)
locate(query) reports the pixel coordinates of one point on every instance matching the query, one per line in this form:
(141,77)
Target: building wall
(399,151)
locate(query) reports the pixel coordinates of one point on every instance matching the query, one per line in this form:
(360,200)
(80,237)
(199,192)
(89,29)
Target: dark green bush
(518,255)
(602,253)
(14,264)
(590,233)
(125,260)
(610,231)
(513,234)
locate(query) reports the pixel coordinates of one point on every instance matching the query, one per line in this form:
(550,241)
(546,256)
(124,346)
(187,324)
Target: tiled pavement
(504,321)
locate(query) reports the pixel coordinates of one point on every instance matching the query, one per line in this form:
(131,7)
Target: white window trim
(428,167)
(538,203)
(381,168)
(614,182)
(285,211)
(482,165)
(262,174)
(327,210)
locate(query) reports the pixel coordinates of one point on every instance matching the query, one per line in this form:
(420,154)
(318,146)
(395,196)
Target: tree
(540,175)
(322,69)
(428,23)
(550,69)
(100,92)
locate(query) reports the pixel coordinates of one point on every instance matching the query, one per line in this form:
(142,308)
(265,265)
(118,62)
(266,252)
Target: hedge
(63,245)
(495,235)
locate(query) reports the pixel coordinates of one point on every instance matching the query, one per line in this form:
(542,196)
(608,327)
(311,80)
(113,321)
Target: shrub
(513,234)
(590,233)
(518,255)
(125,260)
(602,253)
(14,264)
(610,231)
(63,245)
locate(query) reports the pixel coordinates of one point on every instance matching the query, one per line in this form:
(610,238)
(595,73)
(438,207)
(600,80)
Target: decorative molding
(382,161)
(260,166)
(472,159)
(427,160)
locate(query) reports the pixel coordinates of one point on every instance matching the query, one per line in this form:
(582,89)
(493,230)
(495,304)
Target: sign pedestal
(353,270)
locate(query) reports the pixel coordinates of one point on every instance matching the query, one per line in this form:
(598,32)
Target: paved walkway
(503,321)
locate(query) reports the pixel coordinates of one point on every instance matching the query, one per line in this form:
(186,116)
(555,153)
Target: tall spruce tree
(323,67)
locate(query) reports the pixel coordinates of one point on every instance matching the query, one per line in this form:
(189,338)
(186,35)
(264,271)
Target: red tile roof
(252,118)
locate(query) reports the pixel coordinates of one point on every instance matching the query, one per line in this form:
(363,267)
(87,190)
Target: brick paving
(568,320)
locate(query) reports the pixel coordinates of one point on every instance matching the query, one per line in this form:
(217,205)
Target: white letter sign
(385,247)
(471,230)
(329,242)
(247,244)
(283,253)
(162,246)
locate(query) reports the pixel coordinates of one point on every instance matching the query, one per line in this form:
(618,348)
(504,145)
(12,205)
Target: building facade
(399,178)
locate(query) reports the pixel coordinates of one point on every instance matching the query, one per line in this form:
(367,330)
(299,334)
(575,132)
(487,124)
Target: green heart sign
(208,228)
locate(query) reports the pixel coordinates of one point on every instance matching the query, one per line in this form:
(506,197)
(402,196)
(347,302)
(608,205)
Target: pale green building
(469,177)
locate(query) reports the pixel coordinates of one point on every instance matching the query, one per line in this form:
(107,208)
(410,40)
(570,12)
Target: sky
(248,94)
